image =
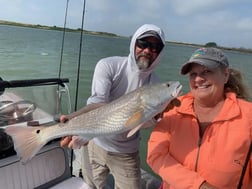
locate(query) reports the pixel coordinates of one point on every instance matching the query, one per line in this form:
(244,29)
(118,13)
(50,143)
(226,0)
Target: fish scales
(107,118)
(127,113)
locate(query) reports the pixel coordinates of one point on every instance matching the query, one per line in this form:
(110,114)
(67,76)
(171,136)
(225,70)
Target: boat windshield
(30,106)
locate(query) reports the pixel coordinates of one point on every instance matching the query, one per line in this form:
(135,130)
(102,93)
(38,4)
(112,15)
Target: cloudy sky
(226,22)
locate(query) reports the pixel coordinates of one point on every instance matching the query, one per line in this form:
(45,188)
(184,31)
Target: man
(114,77)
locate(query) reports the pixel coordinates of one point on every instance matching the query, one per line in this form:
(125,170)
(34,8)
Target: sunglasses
(154,47)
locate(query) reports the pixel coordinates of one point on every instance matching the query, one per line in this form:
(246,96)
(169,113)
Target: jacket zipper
(197,157)
(199,145)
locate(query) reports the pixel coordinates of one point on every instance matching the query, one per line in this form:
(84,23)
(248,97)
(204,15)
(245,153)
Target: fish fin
(135,119)
(27,141)
(134,130)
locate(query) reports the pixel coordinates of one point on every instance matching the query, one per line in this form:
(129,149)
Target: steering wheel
(16,110)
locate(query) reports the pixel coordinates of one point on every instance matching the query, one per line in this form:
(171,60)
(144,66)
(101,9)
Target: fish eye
(167,84)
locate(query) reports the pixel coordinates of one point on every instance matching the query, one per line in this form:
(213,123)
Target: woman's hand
(172,104)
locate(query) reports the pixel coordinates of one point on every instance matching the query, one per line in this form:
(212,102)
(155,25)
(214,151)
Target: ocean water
(27,53)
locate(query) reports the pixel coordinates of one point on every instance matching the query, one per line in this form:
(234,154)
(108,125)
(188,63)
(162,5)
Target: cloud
(245,24)
(9,8)
(194,21)
(183,8)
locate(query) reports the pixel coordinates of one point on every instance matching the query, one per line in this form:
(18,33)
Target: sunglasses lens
(154,47)
(157,47)
(142,44)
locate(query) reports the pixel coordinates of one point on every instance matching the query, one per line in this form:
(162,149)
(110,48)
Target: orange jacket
(184,160)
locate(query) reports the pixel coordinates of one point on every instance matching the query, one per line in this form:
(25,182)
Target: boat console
(50,168)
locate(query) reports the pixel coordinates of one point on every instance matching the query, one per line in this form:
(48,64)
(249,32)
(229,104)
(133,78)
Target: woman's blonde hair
(236,84)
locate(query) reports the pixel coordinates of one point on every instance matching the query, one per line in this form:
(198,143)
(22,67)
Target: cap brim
(207,63)
(153,34)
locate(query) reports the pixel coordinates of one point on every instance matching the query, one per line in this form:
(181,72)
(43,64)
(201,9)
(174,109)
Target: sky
(225,22)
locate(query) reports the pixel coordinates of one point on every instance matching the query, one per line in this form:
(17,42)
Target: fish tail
(27,141)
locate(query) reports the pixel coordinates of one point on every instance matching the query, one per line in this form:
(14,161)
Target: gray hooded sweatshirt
(115,76)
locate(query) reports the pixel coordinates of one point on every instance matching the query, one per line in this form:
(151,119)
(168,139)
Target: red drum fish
(127,113)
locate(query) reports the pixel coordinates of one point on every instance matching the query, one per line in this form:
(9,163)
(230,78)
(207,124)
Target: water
(27,53)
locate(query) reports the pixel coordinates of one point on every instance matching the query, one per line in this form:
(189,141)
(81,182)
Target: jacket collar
(229,110)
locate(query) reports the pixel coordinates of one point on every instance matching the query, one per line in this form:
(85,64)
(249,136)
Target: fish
(128,113)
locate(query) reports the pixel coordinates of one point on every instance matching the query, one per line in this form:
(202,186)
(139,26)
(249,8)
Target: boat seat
(48,169)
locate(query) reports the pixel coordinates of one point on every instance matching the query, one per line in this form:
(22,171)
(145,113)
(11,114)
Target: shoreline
(38,26)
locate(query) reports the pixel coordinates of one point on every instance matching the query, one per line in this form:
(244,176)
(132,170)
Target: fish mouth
(177,91)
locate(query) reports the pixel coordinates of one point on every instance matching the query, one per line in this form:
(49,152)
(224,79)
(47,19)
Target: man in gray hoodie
(114,77)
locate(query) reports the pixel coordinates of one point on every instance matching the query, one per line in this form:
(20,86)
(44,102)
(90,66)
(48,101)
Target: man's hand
(77,141)
(74,142)
(66,141)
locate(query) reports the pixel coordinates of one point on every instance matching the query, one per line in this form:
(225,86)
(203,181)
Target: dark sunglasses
(154,47)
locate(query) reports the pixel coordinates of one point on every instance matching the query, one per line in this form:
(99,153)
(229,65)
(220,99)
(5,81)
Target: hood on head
(145,31)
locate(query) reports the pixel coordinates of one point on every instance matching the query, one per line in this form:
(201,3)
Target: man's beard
(143,64)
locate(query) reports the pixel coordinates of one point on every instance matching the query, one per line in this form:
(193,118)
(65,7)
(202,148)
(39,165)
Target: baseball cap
(149,34)
(209,57)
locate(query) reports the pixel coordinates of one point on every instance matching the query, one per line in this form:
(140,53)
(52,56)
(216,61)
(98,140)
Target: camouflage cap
(209,57)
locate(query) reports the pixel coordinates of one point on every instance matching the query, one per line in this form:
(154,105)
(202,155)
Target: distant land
(38,26)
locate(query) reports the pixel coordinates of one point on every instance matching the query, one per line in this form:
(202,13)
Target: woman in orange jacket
(204,143)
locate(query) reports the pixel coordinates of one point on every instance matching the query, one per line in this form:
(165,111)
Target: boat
(52,165)
(35,102)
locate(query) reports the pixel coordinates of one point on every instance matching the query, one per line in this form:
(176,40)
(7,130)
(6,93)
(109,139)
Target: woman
(203,143)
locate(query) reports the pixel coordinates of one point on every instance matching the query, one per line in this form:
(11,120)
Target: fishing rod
(78,66)
(80,49)
(77,83)
(63,38)
(79,59)
(31,82)
(60,66)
